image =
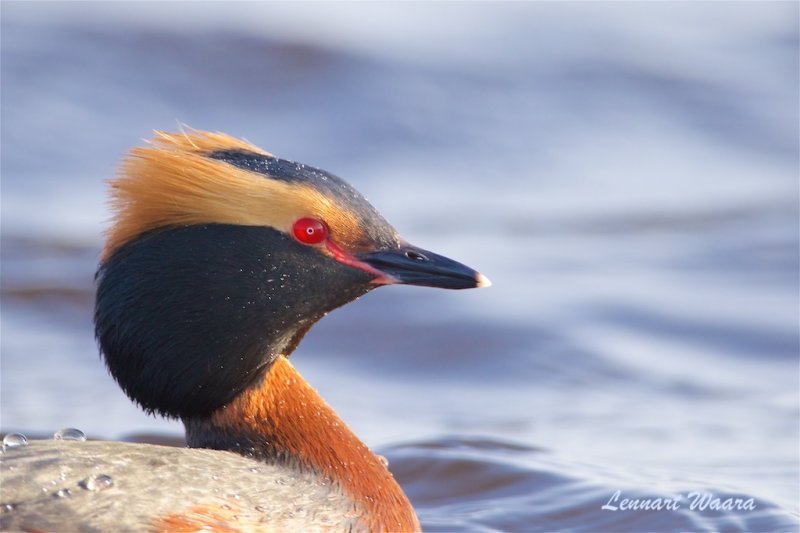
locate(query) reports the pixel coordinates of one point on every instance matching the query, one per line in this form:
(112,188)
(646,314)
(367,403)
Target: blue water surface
(625,173)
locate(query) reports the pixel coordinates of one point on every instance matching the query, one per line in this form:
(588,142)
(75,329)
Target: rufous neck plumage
(284,420)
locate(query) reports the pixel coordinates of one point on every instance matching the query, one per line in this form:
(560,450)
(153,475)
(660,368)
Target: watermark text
(693,501)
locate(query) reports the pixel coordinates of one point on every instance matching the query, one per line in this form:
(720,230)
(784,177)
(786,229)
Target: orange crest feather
(174,183)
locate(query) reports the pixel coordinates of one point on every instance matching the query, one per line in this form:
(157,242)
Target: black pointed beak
(410,265)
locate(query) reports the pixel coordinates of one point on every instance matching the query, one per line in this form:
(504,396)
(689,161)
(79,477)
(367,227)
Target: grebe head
(222,256)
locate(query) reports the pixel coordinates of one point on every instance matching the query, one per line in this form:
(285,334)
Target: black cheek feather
(187,318)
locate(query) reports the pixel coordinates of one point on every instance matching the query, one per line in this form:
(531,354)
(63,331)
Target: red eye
(310,230)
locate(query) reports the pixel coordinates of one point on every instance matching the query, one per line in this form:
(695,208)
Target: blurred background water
(625,173)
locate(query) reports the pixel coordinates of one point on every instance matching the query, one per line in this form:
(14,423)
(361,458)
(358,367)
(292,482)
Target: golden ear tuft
(201,142)
(172,182)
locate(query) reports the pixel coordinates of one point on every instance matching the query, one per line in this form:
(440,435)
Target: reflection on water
(632,194)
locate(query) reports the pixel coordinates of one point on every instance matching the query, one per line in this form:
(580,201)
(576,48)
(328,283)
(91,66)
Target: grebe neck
(283,420)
